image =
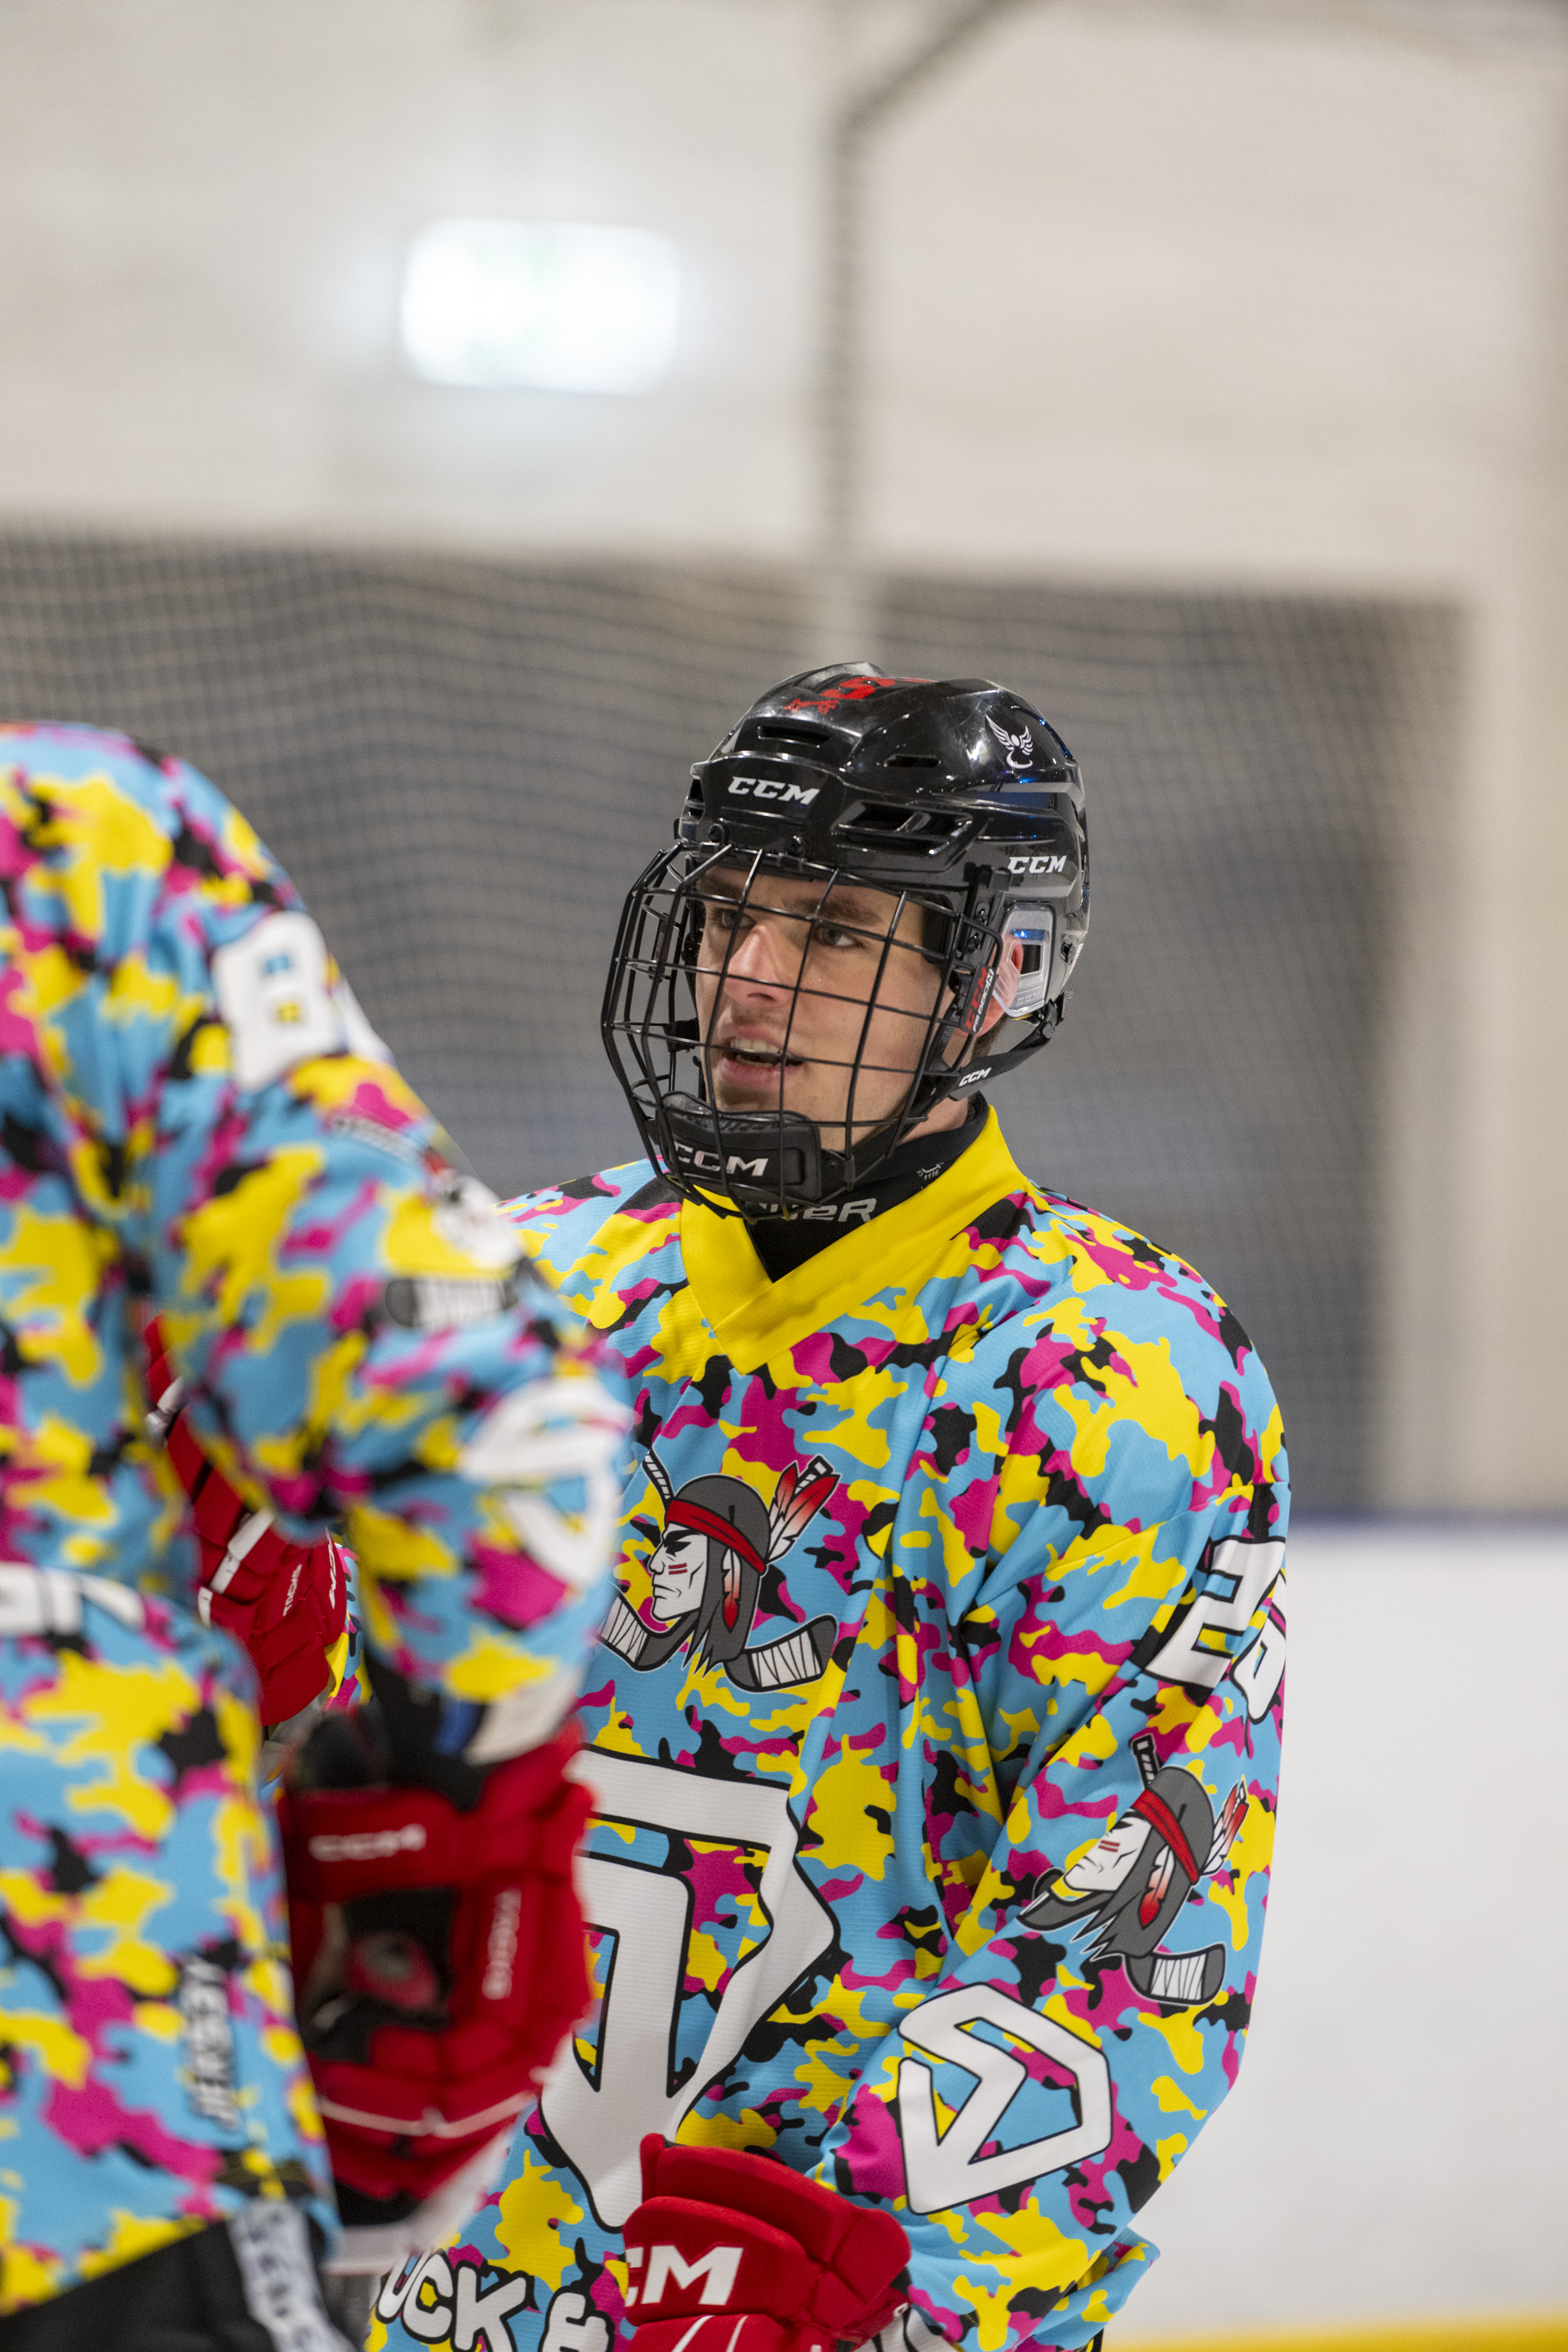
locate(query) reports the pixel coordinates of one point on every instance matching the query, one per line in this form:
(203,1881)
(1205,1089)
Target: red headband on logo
(1156,1812)
(722,1531)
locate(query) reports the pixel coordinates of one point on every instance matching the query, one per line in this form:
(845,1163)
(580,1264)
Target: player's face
(1109,1864)
(793,987)
(679,1573)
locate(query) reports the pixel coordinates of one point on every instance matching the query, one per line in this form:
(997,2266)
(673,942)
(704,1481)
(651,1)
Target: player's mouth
(749,1064)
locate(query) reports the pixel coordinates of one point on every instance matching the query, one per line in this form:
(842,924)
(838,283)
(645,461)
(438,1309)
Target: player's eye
(721,915)
(837,936)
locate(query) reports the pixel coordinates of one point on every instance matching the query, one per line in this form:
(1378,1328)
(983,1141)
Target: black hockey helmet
(952,794)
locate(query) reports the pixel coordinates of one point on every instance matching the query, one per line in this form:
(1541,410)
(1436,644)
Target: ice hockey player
(935,1731)
(196,1121)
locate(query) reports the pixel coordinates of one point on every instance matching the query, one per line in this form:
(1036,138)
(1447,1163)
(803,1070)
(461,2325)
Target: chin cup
(760,1155)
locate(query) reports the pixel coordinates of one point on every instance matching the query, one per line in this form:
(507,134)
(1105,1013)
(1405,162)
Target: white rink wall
(1394,2147)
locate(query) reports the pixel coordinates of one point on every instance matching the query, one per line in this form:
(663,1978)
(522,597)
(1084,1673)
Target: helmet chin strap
(984,1063)
(976,1062)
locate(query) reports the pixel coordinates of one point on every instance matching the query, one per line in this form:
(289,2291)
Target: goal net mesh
(463,763)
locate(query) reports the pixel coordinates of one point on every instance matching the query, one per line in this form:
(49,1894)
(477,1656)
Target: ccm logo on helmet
(764,788)
(666,2266)
(368,1846)
(1037,865)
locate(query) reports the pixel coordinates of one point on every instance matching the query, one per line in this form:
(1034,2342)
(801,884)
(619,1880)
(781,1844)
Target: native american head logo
(1130,1886)
(718,1541)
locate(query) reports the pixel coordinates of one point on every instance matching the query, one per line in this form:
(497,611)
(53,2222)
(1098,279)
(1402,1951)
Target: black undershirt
(784,1242)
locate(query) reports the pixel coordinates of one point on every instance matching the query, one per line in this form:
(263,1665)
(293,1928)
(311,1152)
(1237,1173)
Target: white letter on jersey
(1254,1567)
(481,2320)
(571,2325)
(949,2169)
(601,2124)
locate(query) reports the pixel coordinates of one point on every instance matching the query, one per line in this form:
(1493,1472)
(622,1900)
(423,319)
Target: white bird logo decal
(1019,750)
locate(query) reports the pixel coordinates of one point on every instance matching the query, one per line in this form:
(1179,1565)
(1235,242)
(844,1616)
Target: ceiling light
(518,302)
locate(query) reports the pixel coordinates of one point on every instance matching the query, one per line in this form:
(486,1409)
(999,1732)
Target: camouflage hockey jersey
(935,1736)
(193,1116)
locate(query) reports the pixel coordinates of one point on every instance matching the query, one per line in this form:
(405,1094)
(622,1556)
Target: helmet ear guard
(953,795)
(1018,1017)
(1033,928)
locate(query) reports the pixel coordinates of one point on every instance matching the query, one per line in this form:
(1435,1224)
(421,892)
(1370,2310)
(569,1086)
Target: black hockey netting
(464,763)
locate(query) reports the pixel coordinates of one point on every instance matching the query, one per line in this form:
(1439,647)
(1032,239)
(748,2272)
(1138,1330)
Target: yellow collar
(889,1259)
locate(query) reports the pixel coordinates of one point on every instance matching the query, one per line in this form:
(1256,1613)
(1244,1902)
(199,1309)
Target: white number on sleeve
(273,993)
(1259,1671)
(1254,1567)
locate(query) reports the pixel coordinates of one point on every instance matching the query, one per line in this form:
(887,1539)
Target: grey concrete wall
(1200,292)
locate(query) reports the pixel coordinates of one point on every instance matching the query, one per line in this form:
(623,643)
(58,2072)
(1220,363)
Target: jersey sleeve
(1090,2007)
(359,1343)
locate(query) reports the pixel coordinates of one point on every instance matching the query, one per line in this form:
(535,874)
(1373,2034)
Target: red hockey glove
(776,2262)
(286,1601)
(440,1959)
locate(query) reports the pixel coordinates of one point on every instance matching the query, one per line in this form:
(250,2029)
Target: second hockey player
(934,1734)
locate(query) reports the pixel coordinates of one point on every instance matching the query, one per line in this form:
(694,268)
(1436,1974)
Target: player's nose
(760,959)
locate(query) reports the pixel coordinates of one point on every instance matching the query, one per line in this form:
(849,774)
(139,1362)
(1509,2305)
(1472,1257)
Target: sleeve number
(1256,1570)
(278,1004)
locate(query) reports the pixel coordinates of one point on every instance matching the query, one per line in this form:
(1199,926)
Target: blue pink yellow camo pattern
(935,1736)
(195,1117)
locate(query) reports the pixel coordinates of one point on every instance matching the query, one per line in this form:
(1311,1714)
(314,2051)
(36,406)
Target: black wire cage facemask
(877,995)
(788,1001)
